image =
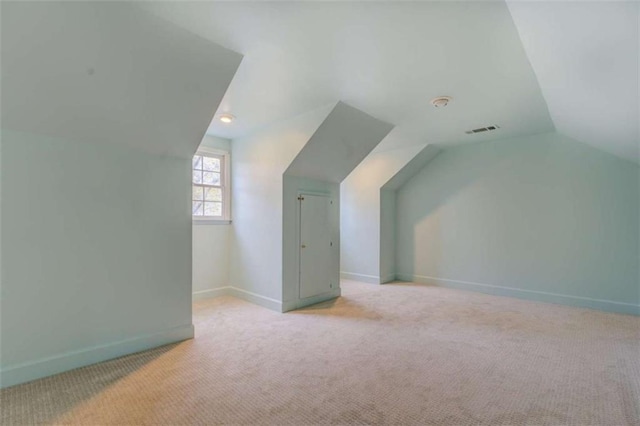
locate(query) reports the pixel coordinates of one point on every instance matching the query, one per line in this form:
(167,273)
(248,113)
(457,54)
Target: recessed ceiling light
(226,118)
(441,101)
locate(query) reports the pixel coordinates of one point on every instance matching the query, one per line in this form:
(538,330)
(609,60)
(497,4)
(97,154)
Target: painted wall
(211,141)
(360,212)
(96,242)
(96,253)
(210,261)
(341,142)
(542,217)
(258,163)
(387,231)
(116,74)
(315,151)
(211,245)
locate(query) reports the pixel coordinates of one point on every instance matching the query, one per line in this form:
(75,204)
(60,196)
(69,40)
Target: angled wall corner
(388,210)
(542,217)
(116,74)
(341,142)
(258,164)
(103,107)
(404,174)
(367,200)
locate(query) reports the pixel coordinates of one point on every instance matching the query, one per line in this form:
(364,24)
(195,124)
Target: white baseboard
(389,278)
(267,302)
(540,296)
(248,296)
(68,361)
(290,305)
(370,279)
(276,305)
(208,294)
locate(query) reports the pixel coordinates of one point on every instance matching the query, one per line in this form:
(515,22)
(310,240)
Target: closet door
(315,245)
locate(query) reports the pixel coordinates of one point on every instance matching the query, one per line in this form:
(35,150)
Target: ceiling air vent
(483,129)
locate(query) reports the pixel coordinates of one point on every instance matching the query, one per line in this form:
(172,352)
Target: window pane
(212,209)
(196,208)
(211,164)
(212,194)
(197,162)
(197,176)
(211,178)
(198,193)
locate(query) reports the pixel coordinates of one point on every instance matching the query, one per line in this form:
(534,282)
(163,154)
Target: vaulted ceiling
(527,67)
(585,55)
(388,59)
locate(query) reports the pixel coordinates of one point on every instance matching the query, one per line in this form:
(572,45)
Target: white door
(315,245)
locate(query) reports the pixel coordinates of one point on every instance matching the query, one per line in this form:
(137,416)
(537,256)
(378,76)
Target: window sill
(211,222)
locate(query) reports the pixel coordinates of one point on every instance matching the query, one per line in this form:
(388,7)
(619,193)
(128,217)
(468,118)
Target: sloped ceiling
(341,142)
(585,56)
(412,167)
(109,72)
(388,59)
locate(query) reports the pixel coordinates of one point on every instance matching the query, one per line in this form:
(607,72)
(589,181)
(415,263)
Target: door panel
(315,245)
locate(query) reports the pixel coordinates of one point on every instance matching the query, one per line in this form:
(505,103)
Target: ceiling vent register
(483,129)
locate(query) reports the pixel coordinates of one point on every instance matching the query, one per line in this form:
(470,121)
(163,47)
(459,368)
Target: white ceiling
(103,71)
(387,59)
(585,55)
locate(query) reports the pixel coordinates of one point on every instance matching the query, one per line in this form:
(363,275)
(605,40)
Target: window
(210,190)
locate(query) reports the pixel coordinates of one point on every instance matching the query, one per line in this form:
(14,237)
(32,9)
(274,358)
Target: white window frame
(225,175)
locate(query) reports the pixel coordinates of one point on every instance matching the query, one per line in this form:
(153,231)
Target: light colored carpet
(398,354)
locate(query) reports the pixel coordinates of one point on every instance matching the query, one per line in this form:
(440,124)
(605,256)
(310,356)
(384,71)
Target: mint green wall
(96,253)
(387,235)
(258,163)
(211,244)
(97,145)
(362,246)
(310,146)
(210,141)
(541,217)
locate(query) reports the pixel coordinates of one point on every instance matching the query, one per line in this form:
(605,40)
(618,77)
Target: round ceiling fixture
(226,118)
(441,101)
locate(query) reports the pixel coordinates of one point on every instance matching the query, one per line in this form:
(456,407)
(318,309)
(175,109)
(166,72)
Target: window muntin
(209,186)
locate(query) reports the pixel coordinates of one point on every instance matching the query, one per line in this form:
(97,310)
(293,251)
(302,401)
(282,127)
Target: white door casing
(315,245)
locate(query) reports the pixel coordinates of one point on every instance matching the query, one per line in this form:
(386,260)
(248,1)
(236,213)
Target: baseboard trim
(267,302)
(539,296)
(71,360)
(211,293)
(257,299)
(370,279)
(291,305)
(389,278)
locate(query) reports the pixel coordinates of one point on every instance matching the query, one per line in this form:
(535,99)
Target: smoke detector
(441,101)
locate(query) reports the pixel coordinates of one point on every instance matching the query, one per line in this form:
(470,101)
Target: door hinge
(300,198)
(331,244)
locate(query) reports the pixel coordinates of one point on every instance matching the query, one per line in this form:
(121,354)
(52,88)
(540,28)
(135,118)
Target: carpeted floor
(398,354)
